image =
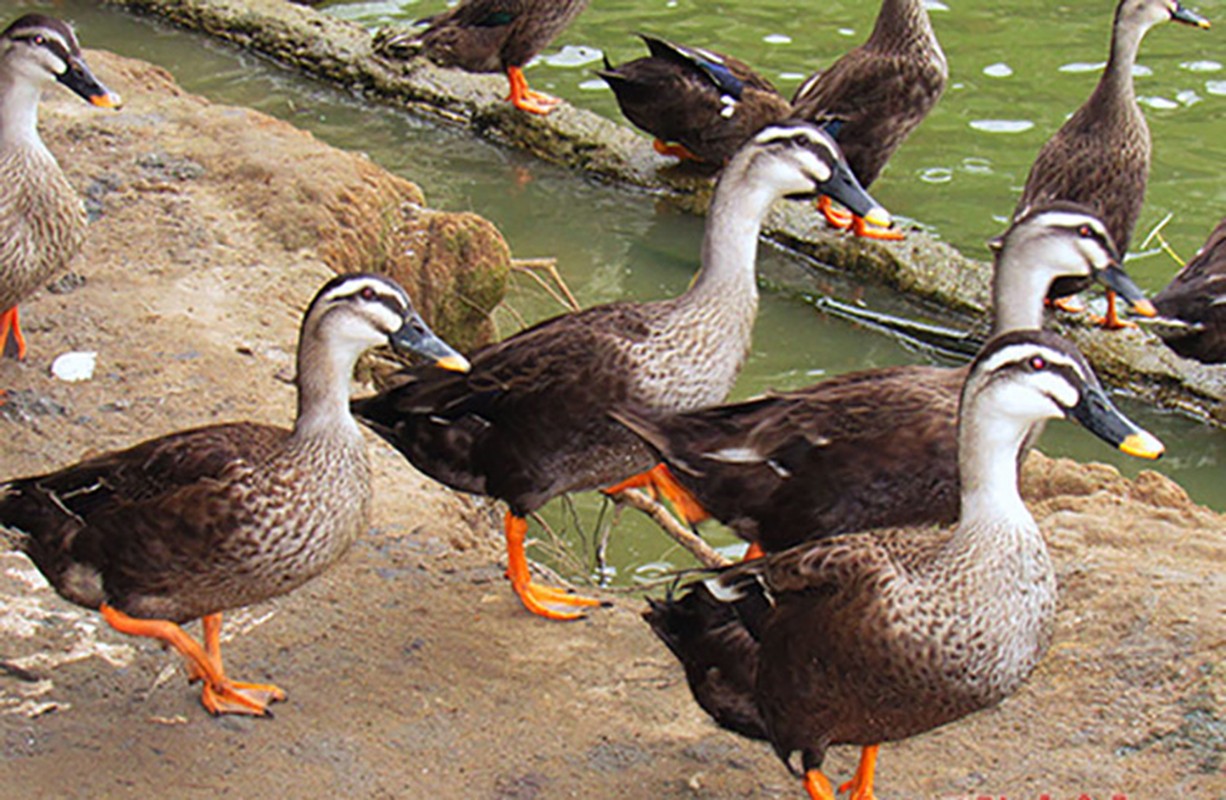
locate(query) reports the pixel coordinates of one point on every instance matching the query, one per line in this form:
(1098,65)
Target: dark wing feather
(865,450)
(521,419)
(1197,295)
(123,513)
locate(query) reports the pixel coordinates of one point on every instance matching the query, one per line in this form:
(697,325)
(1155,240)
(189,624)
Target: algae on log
(340,52)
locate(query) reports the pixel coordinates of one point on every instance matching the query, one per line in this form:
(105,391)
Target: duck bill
(1117,280)
(81,80)
(1181,14)
(844,187)
(1099,416)
(416,337)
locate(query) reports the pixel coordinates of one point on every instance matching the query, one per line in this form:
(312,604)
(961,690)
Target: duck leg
(660,480)
(839,219)
(220,696)
(861,784)
(526,99)
(12,342)
(535,597)
(818,785)
(1112,321)
(675,150)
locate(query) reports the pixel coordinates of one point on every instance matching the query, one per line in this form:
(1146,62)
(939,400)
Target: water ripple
(1001,125)
(1201,66)
(998,70)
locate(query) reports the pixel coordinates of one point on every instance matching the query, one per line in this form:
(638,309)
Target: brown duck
(1100,156)
(489,36)
(698,104)
(42,220)
(1197,297)
(865,638)
(840,455)
(186,526)
(873,97)
(530,421)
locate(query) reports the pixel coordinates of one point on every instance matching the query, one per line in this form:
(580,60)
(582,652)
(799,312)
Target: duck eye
(1038,363)
(1085,232)
(39,40)
(368,293)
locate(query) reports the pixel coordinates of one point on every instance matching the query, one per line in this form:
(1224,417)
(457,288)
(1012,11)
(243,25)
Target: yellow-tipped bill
(455,363)
(880,217)
(1142,444)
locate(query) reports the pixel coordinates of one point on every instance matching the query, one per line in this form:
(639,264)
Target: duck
(42,218)
(699,104)
(1196,296)
(878,636)
(489,36)
(192,524)
(529,421)
(875,95)
(840,455)
(1100,156)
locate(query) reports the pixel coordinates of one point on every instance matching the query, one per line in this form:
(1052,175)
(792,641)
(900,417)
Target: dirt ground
(411,670)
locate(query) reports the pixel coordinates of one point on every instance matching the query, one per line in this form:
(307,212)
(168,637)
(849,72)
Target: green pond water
(1017,69)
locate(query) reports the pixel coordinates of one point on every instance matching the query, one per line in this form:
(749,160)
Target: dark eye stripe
(48,42)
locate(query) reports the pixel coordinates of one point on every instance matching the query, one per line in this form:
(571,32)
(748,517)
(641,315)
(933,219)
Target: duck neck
(989,453)
(1018,290)
(903,24)
(18,114)
(730,243)
(1115,86)
(324,372)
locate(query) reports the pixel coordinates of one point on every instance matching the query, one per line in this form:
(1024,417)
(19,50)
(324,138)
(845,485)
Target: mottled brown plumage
(1197,296)
(530,421)
(864,638)
(488,36)
(42,220)
(705,101)
(840,455)
(880,91)
(1100,156)
(197,522)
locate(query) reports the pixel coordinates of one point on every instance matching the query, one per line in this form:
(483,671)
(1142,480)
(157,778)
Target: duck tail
(718,653)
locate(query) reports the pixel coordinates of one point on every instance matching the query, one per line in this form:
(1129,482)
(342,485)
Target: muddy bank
(411,671)
(921,267)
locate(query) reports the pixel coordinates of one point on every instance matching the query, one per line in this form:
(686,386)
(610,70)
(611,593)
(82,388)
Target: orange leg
(12,342)
(755,551)
(221,695)
(818,786)
(526,99)
(675,150)
(1112,321)
(861,784)
(537,598)
(659,480)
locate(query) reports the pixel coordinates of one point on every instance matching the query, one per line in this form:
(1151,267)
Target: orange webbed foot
(865,230)
(1112,321)
(836,218)
(237,697)
(818,786)
(1071,304)
(544,601)
(526,99)
(12,341)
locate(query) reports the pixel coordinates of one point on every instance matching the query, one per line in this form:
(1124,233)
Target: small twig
(562,294)
(1156,233)
(706,555)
